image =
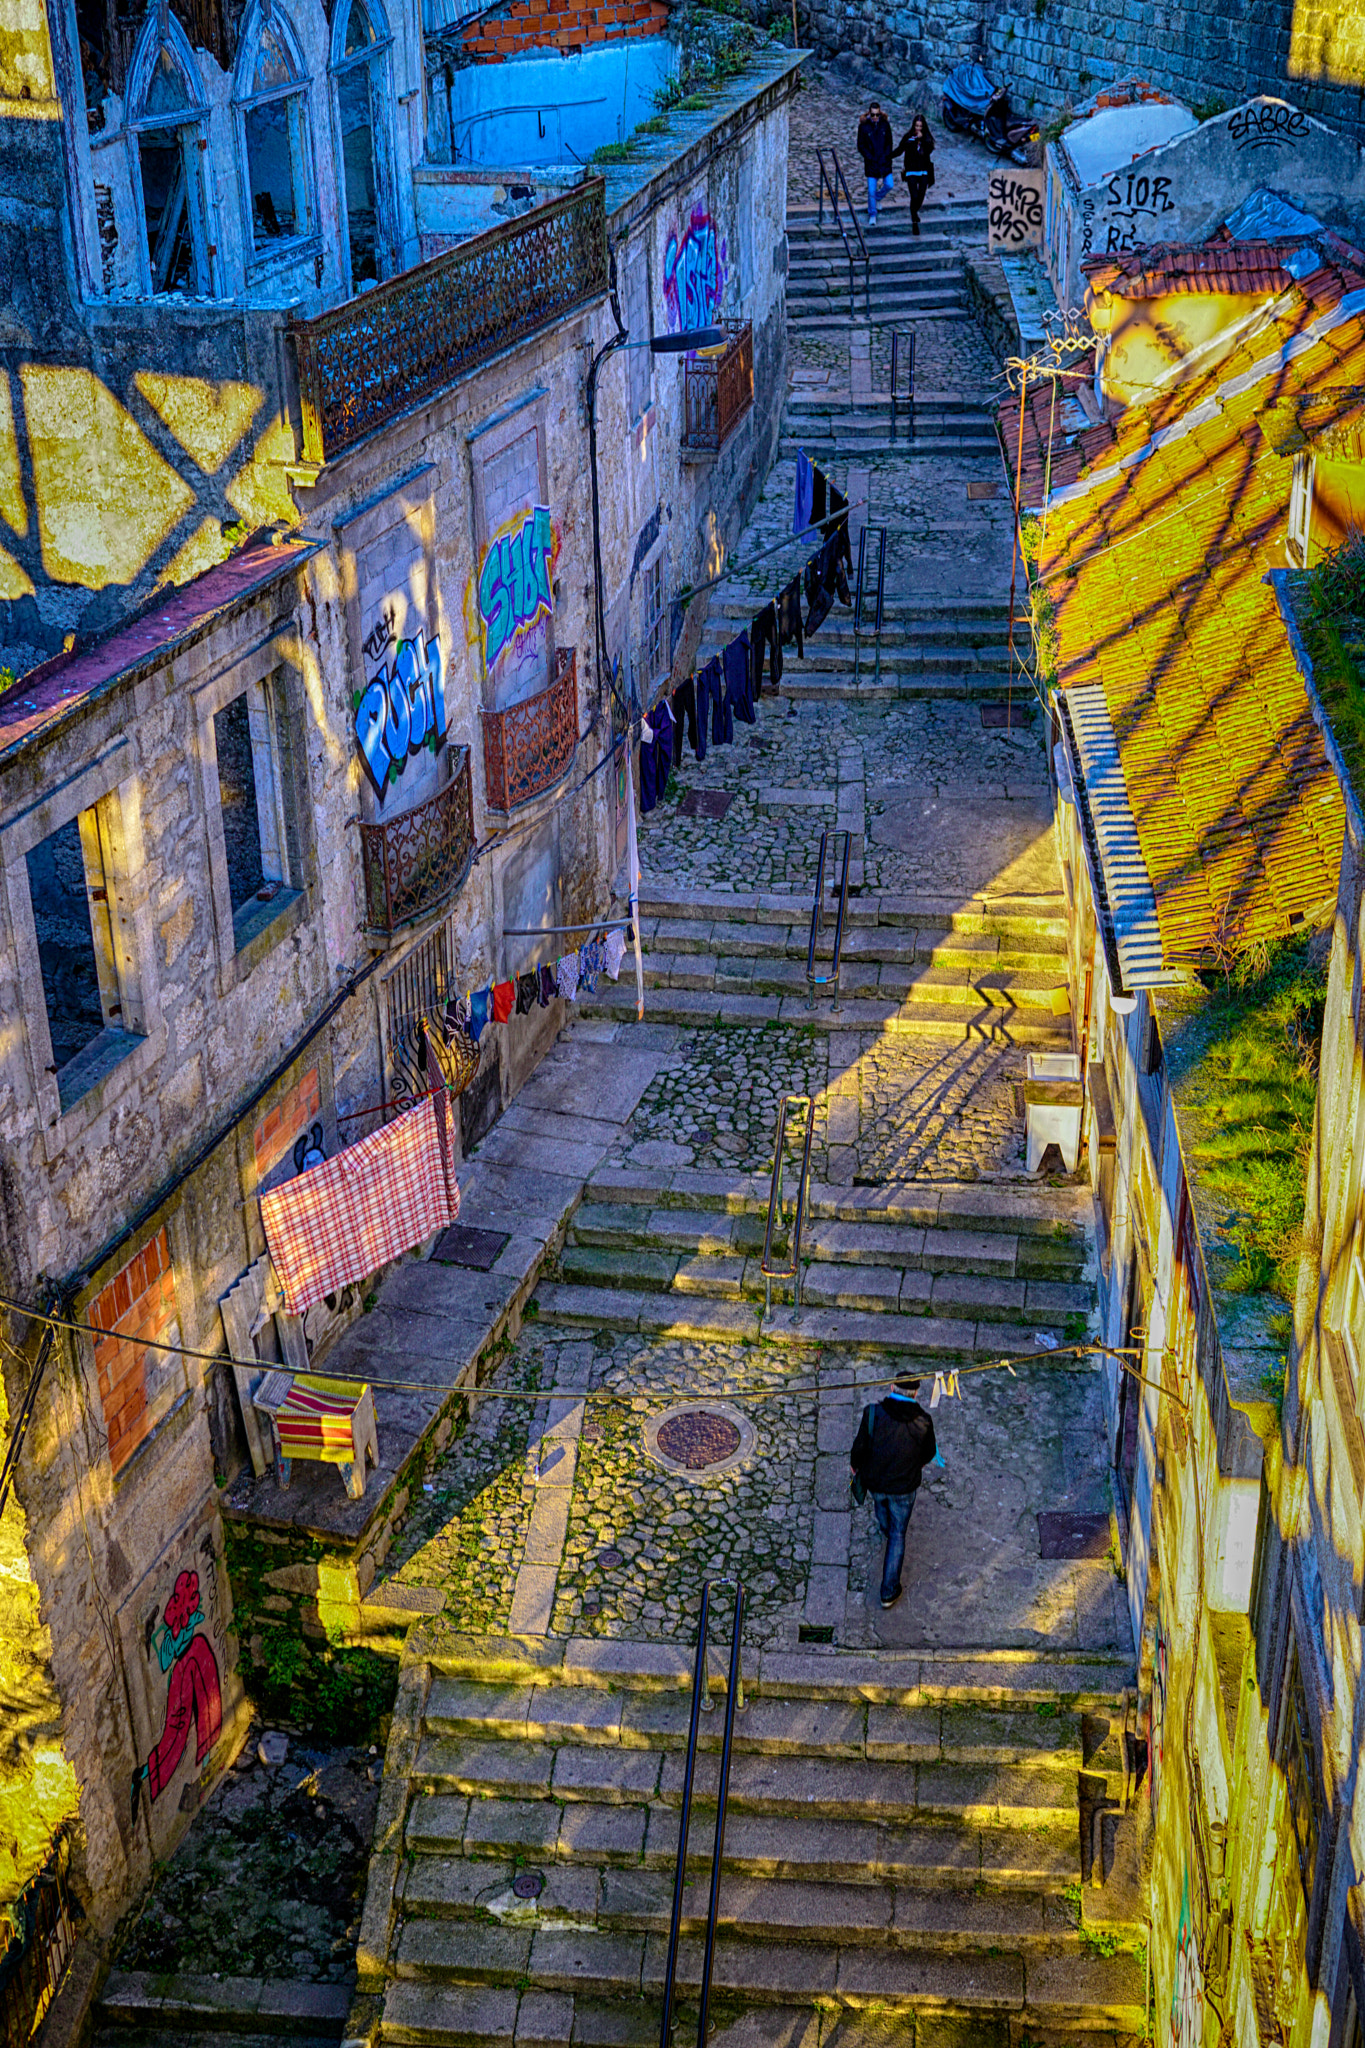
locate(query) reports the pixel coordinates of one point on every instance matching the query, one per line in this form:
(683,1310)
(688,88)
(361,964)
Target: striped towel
(314,1419)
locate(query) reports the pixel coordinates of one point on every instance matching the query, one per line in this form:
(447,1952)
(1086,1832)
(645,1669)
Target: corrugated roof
(178,614)
(1160,530)
(1128,886)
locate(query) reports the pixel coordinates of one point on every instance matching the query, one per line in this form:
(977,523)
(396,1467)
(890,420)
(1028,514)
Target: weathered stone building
(316,529)
(1200,821)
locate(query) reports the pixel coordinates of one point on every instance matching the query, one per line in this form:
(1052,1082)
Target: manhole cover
(706,803)
(609,1559)
(978,491)
(1006,717)
(463,1246)
(698,1438)
(1064,1535)
(528,1884)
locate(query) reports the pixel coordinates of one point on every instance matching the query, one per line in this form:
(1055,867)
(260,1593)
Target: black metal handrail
(862,596)
(817,918)
(701,1702)
(792,1269)
(862,245)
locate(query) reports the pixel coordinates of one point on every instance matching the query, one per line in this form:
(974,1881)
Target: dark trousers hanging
(765,644)
(789,617)
(685,708)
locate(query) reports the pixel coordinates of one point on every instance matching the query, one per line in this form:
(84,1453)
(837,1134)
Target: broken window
(274,118)
(241,811)
(361,39)
(95,45)
(169,131)
(70,902)
(260,837)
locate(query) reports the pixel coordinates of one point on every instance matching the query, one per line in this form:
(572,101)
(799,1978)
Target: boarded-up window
(516,545)
(136,1385)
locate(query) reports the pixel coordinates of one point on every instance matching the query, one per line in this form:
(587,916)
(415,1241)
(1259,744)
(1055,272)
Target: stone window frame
(308,240)
(272,710)
(376,61)
(173,39)
(107,791)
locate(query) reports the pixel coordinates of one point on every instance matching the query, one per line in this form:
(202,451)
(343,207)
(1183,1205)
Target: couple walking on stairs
(915,148)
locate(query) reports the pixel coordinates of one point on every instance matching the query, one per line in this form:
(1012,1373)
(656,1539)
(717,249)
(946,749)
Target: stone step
(622,1966)
(1005,916)
(700,1008)
(927,1338)
(789,1786)
(698,1234)
(976,952)
(142,2005)
(1094,1683)
(1008,989)
(951,306)
(914,440)
(1041,1304)
(770,1725)
(877,687)
(869,1910)
(1048,1222)
(945,612)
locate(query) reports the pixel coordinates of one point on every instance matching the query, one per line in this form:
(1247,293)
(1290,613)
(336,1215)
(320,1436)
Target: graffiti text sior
(401,710)
(1141,193)
(515,590)
(694,273)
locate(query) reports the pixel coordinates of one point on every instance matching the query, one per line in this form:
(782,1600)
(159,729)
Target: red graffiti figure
(194,1693)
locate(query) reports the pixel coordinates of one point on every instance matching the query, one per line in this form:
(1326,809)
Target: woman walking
(916,148)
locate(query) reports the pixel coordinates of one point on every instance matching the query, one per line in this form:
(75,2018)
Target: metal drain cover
(698,1438)
(706,803)
(528,1884)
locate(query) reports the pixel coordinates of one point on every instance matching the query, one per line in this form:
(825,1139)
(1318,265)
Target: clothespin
(1009,1368)
(951,1387)
(937,1394)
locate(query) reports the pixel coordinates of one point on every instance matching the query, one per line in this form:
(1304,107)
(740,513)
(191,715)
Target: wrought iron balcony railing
(718,390)
(415,861)
(530,745)
(377,356)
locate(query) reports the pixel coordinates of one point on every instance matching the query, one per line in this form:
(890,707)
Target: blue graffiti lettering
(400,711)
(694,273)
(514,584)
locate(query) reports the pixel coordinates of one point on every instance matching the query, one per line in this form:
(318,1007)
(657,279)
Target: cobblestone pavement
(466,1533)
(928,1109)
(716,1104)
(641,1539)
(749,849)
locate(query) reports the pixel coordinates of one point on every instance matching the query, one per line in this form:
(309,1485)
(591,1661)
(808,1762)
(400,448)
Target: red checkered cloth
(343,1220)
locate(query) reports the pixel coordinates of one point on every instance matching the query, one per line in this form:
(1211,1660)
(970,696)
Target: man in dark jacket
(874,147)
(895,1442)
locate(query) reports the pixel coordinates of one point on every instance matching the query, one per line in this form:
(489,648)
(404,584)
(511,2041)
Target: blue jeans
(877,188)
(893,1512)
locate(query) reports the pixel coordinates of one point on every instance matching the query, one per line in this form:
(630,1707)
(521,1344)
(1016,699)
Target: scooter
(973,104)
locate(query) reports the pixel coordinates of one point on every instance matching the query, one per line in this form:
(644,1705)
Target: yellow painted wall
(26,76)
(1150,338)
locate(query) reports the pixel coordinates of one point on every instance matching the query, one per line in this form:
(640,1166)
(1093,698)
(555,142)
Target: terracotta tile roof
(177,615)
(1167,269)
(1161,528)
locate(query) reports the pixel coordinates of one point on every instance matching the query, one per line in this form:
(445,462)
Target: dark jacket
(895,1442)
(874,145)
(916,153)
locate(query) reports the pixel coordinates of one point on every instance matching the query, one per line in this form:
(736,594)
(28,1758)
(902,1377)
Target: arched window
(166,129)
(360,43)
(272,115)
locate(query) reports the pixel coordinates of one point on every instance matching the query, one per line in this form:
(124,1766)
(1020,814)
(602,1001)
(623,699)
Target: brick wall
(137,1304)
(289,1119)
(522,25)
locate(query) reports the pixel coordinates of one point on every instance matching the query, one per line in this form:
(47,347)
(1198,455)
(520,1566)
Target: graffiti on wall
(402,709)
(1267,124)
(695,270)
(1187,1989)
(194,1692)
(514,592)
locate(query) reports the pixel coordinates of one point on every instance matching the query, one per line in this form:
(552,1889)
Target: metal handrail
(701,1703)
(853,220)
(792,1269)
(817,918)
(826,180)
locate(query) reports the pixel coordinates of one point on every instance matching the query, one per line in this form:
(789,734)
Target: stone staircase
(903,1849)
(910,277)
(915,966)
(831,427)
(930,647)
(936,1271)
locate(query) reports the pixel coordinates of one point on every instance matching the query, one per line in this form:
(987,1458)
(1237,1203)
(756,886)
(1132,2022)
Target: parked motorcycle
(973,104)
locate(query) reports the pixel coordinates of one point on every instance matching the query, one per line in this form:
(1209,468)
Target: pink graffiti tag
(694,273)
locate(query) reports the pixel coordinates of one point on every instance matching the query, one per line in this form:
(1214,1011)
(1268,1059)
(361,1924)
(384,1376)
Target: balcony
(528,747)
(380,355)
(415,861)
(717,392)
